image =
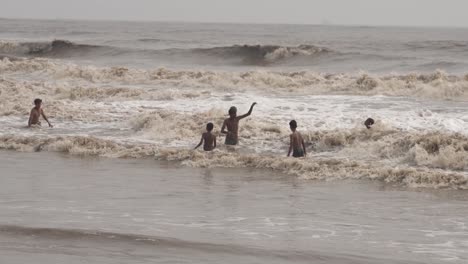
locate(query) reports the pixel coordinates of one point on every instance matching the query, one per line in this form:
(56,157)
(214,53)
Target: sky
(441,13)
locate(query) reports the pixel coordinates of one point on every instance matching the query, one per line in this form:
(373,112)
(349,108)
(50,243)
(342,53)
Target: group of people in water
(230,128)
(296,143)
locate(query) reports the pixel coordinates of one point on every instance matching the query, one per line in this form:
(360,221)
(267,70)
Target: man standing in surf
(232,125)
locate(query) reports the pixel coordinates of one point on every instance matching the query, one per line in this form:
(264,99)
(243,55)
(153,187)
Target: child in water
(232,125)
(296,145)
(208,138)
(369,122)
(36,113)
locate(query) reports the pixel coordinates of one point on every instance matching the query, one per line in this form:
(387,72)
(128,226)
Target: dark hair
(209,126)
(232,110)
(293,124)
(369,122)
(37,101)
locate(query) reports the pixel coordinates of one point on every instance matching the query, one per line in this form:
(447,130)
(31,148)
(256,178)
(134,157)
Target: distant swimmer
(369,122)
(208,139)
(232,125)
(296,144)
(36,113)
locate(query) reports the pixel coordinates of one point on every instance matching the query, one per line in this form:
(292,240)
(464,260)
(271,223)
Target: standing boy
(208,139)
(232,125)
(36,113)
(296,144)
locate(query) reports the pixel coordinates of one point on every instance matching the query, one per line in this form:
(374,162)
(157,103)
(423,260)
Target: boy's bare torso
(35,116)
(232,125)
(208,140)
(296,140)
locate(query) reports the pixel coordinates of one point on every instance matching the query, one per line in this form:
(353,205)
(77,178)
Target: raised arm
(248,113)
(45,118)
(290,145)
(199,144)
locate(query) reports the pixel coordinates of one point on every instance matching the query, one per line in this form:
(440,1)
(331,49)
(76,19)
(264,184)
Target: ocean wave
(157,243)
(436,85)
(423,149)
(55,48)
(325,169)
(236,54)
(154,51)
(263,54)
(424,160)
(103,236)
(76,145)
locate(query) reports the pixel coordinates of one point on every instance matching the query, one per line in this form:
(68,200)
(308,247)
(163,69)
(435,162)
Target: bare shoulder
(300,137)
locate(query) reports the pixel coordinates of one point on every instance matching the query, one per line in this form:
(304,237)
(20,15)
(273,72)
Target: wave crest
(55,48)
(418,156)
(323,168)
(263,54)
(236,54)
(437,85)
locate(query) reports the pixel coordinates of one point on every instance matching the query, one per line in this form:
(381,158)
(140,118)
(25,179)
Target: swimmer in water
(369,122)
(36,113)
(232,125)
(208,139)
(296,144)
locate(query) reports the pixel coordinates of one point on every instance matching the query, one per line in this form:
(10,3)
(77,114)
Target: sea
(116,180)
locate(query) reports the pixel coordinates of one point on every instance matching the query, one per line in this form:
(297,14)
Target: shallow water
(108,211)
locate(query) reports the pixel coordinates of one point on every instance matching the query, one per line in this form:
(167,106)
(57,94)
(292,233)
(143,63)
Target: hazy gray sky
(362,12)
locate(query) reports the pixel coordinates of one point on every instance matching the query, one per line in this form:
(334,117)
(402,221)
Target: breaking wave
(263,54)
(56,48)
(436,85)
(236,54)
(151,50)
(415,159)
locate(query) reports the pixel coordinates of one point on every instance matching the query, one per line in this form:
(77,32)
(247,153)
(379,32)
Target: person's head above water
(209,127)
(293,125)
(369,122)
(37,102)
(233,111)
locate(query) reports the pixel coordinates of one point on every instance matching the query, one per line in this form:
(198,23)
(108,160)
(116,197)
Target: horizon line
(330,24)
